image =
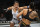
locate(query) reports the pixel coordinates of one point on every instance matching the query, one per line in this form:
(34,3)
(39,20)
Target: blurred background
(5,17)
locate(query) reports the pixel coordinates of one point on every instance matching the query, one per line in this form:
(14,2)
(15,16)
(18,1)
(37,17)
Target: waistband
(25,24)
(14,18)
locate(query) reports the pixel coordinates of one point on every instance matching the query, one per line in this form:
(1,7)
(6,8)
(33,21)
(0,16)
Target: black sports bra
(27,16)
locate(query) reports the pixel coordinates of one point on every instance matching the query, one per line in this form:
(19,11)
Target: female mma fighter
(27,16)
(14,13)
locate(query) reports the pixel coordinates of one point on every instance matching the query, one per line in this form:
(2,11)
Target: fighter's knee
(11,22)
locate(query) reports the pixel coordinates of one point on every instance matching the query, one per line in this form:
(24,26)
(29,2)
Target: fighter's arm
(19,14)
(37,17)
(18,17)
(9,8)
(23,7)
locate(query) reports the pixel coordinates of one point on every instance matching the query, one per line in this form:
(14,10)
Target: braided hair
(32,5)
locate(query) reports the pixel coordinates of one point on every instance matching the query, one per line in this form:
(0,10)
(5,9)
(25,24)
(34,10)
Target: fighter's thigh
(11,23)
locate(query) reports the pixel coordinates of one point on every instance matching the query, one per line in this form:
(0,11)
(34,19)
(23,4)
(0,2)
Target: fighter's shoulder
(12,7)
(34,11)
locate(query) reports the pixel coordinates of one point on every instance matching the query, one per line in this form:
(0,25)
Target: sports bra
(27,16)
(15,14)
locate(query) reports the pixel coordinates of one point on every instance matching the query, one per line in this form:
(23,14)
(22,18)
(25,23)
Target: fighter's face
(16,5)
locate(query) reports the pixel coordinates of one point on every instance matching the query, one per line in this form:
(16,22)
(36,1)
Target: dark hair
(16,2)
(32,5)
